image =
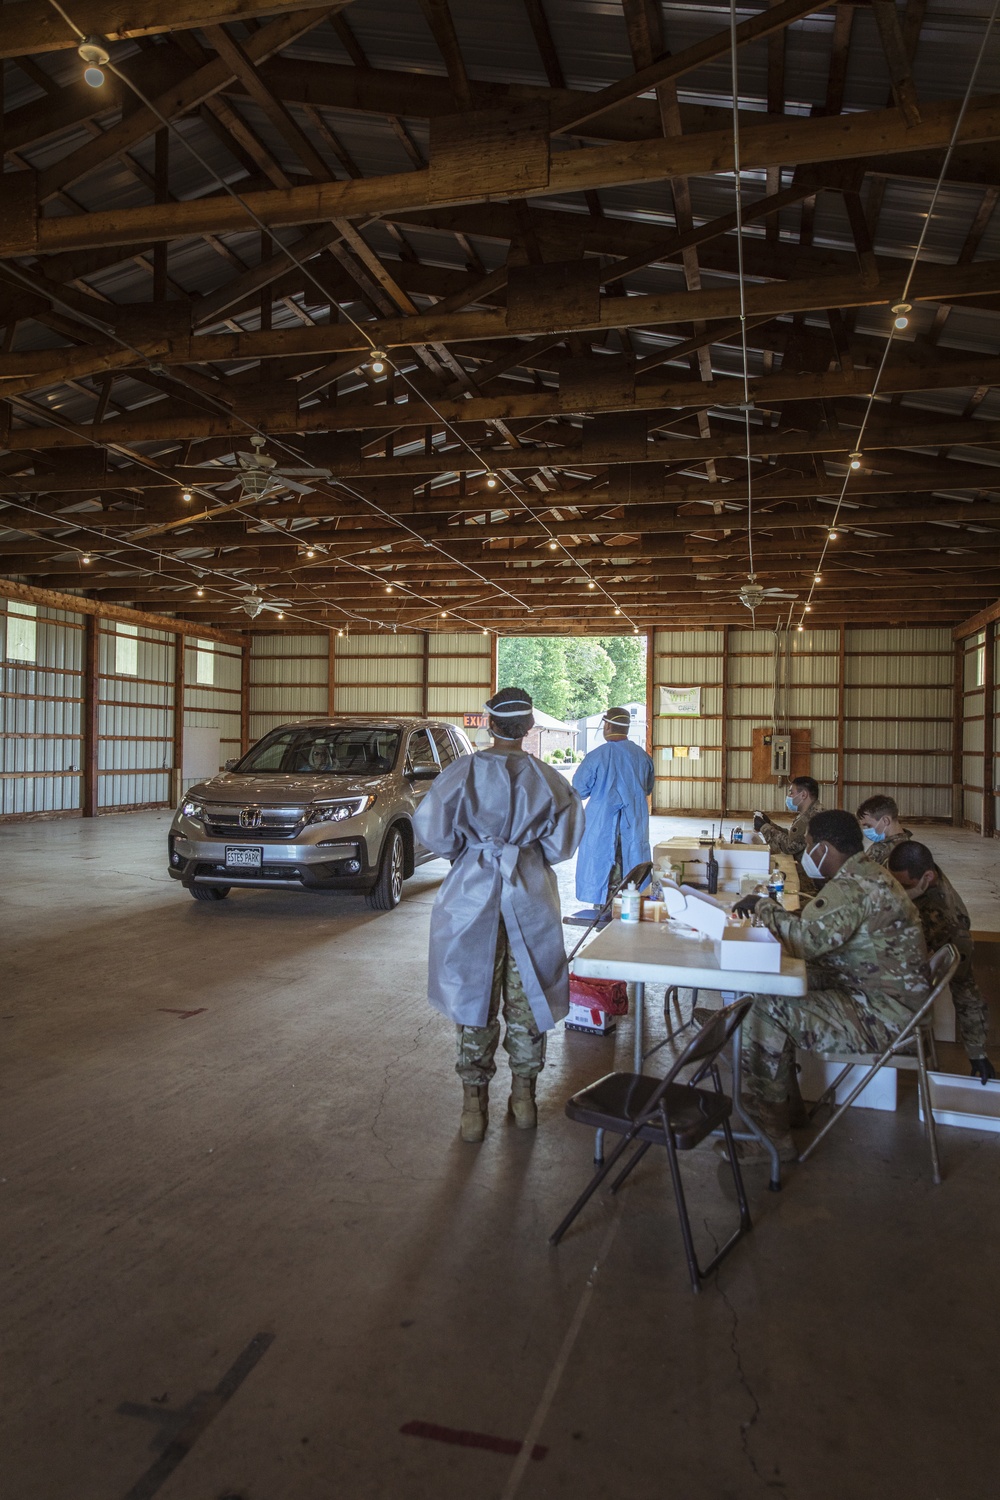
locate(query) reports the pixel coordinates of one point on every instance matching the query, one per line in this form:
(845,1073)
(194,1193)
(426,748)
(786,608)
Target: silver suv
(320,805)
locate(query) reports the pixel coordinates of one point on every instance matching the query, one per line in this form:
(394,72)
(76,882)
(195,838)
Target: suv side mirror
(423,773)
(230,765)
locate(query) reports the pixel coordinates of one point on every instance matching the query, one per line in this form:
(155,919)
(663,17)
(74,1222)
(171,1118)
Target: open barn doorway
(572,681)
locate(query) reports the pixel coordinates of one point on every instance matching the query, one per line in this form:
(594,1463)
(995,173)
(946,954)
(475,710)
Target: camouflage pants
(971,1015)
(822,1020)
(523,1042)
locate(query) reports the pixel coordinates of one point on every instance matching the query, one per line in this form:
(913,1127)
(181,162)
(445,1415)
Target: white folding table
(666,953)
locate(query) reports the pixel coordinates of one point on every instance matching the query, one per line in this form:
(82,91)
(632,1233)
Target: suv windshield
(346,751)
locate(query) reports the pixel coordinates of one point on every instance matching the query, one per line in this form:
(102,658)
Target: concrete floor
(225,1122)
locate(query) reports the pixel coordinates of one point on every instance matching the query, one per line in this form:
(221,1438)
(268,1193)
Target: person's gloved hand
(746,906)
(759,819)
(983,1069)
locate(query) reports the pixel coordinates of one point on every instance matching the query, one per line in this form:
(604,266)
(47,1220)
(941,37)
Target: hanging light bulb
(85,558)
(635,630)
(200,592)
(340,633)
(617,610)
(808,607)
(388,588)
(817,578)
(855,460)
(485,632)
(832,535)
(553,546)
(800,627)
(377,362)
(310,552)
(491,481)
(901,309)
(444,614)
(95,54)
(591,584)
(186,496)
(281,614)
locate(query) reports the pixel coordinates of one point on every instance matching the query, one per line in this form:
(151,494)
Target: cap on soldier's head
(511,707)
(618,718)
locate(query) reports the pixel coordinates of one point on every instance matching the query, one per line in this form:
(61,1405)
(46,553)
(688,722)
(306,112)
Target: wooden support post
(841,798)
(493,668)
(91,720)
(650,659)
(989,723)
(958,737)
(425,675)
(245,696)
(724,730)
(176,790)
(331,674)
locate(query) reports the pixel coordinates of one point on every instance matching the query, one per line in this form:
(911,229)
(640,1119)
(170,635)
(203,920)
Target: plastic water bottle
(776,886)
(631,904)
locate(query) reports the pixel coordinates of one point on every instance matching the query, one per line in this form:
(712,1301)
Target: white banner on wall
(680,702)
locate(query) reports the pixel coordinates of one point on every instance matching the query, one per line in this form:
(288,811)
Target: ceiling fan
(752,595)
(259,473)
(253,603)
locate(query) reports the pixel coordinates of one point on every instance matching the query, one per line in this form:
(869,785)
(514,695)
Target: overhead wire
(892,332)
(359,327)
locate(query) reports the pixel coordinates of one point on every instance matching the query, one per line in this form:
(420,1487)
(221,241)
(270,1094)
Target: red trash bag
(607,995)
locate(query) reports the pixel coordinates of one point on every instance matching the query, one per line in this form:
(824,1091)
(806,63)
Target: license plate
(241,858)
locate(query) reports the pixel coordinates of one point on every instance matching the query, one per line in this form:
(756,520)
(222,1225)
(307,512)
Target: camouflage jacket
(790,840)
(880,852)
(945,919)
(861,934)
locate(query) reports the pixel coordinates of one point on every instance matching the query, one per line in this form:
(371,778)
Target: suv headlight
(192,808)
(339,811)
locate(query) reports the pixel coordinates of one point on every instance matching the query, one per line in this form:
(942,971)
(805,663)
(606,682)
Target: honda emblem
(251,817)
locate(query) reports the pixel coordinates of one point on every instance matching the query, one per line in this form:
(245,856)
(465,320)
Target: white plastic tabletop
(664,953)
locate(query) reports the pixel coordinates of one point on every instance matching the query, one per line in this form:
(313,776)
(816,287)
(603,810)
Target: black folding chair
(661,1112)
(638,876)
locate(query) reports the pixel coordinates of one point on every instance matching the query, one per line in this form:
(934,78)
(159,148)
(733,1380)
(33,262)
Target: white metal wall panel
(688,658)
(973,727)
(381,673)
(289,679)
(217,706)
(459,674)
(41,718)
(135,721)
(897,718)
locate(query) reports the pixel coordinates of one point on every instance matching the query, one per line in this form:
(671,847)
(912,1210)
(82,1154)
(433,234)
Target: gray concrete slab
(286,1162)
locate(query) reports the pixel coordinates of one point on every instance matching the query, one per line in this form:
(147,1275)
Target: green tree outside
(574,678)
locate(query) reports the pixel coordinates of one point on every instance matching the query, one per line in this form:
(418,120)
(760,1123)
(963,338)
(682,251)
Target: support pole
(245,696)
(958,738)
(178,760)
(91,706)
(989,685)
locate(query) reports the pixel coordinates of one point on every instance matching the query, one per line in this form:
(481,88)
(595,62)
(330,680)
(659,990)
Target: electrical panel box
(781,754)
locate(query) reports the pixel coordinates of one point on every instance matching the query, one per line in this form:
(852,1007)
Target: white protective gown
(504,818)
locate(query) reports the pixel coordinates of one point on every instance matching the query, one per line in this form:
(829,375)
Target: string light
(800,628)
(817,578)
(491,481)
(85,558)
(901,309)
(377,362)
(95,54)
(591,584)
(186,496)
(388,588)
(832,535)
(617,610)
(444,614)
(200,593)
(855,460)
(553,546)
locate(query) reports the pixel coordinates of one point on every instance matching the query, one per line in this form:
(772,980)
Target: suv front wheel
(388,888)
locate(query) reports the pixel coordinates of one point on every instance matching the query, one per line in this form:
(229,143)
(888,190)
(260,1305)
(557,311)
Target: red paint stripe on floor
(510,1446)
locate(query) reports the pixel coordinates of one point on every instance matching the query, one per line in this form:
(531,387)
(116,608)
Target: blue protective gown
(617,777)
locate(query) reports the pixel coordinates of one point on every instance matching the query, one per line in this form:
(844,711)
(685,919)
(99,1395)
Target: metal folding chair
(942,965)
(662,1112)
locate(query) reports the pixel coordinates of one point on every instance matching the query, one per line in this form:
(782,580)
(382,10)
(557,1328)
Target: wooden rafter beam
(528,174)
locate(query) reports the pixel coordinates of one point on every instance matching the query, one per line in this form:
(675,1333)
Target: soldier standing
(504,819)
(881,828)
(866,966)
(945,919)
(802,799)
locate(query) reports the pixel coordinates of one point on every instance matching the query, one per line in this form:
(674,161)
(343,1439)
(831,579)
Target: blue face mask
(873,837)
(792,806)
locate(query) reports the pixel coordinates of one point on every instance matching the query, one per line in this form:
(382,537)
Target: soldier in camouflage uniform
(881,828)
(523,1041)
(946,920)
(802,798)
(866,964)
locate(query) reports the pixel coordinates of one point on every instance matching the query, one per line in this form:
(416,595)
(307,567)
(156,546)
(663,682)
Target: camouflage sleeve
(784,840)
(825,925)
(937,928)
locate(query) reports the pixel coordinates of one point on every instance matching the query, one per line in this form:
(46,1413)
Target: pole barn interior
(340,340)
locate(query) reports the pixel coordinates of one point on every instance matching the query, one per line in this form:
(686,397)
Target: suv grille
(223,821)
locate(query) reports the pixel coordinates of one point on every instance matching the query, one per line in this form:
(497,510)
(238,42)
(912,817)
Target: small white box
(816,1076)
(751,948)
(581,1018)
(966,1102)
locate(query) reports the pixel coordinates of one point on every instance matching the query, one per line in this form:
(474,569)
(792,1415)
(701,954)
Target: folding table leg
(753,1130)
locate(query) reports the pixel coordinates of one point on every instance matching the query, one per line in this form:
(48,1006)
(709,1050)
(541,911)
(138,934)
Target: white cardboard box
(582,1018)
(965,1102)
(751,948)
(816,1076)
(734,860)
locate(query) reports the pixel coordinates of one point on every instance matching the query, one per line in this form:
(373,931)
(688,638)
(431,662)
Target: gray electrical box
(781,754)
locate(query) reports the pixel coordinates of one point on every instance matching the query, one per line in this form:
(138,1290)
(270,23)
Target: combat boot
(774,1121)
(521,1103)
(475,1111)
